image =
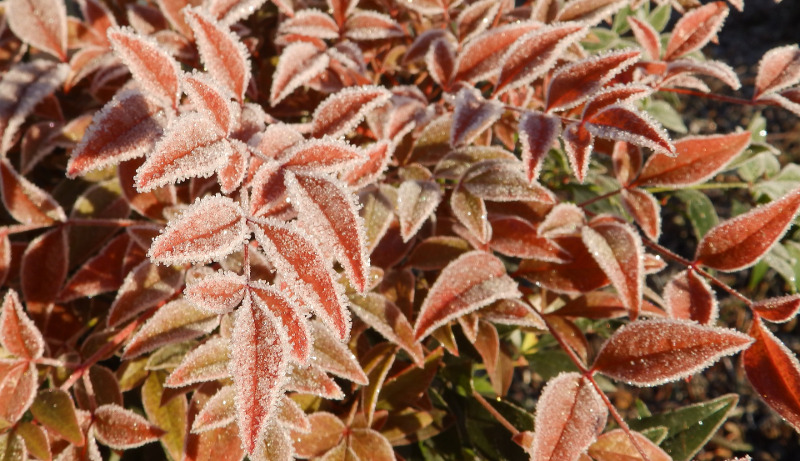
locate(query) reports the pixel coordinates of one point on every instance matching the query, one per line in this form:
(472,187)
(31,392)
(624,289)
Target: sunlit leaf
(617,445)
(18,334)
(342,111)
(170,416)
(779,69)
(620,122)
(207,362)
(778,310)
(689,297)
(299,63)
(217,293)
(120,428)
(695,29)
(388,320)
(537,134)
(54,409)
(42,23)
(174,322)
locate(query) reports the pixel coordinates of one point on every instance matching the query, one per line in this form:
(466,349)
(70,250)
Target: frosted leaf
(416,202)
(310,22)
(5,256)
(208,97)
(472,115)
(617,94)
(171,9)
(716,69)
(774,372)
(370,25)
(425,7)
(18,334)
(471,212)
(41,23)
(276,139)
(290,317)
(503,181)
(570,414)
(144,287)
(513,236)
(370,444)
(778,310)
(440,60)
(653,352)
(224,55)
(251,120)
(174,322)
(581,274)
(616,444)
(689,297)
(219,411)
(476,18)
(40,140)
(590,11)
(388,320)
(512,312)
(342,111)
(276,445)
(698,159)
(299,63)
(292,415)
(778,69)
(120,429)
(332,355)
(17,389)
(328,210)
(578,144)
(326,431)
(156,72)
(209,230)
(192,146)
(217,293)
(24,201)
(537,134)
(468,283)
(232,11)
(232,174)
(268,191)
(627,161)
(377,211)
(457,162)
(617,249)
(602,305)
(21,89)
(647,37)
(621,122)
(575,82)
(645,211)
(535,53)
(125,128)
(739,242)
(422,43)
(312,380)
(206,362)
(300,260)
(378,155)
(341,9)
(789,100)
(694,29)
(259,355)
(44,268)
(480,57)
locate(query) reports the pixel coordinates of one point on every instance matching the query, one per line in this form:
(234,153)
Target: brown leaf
(371,25)
(475,18)
(472,115)
(174,322)
(645,211)
(101,273)
(387,319)
(471,213)
(468,283)
(333,356)
(653,352)
(580,275)
(616,445)
(591,11)
(339,113)
(739,242)
(480,58)
(55,410)
(695,29)
(503,181)
(310,23)
(312,380)
(778,69)
(41,23)
(17,389)
(441,59)
(326,431)
(219,411)
(144,287)
(26,202)
(18,334)
(121,429)
(537,133)
(44,268)
(416,202)
(207,362)
(689,297)
(778,310)
(513,236)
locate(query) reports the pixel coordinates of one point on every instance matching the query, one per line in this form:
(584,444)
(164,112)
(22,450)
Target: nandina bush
(355,230)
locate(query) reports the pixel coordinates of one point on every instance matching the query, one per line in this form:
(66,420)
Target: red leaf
(151,66)
(578,142)
(217,293)
(258,366)
(326,431)
(310,23)
(698,159)
(535,53)
(44,268)
(512,312)
(471,213)
(371,25)
(208,97)
(290,316)
(145,287)
(416,202)
(590,11)
(689,297)
(475,18)
(574,83)
(647,36)
(569,416)
(677,70)
(620,122)
(320,155)
(18,334)
(300,261)
(207,362)
(23,87)
(480,58)
(41,23)
(219,411)
(210,229)
(232,11)
(123,129)
(617,94)
(378,155)
(739,242)
(174,322)
(341,112)
(774,372)
(100,274)
(274,142)
(223,54)
(24,201)
(778,310)
(333,356)
(779,69)
(387,319)
(516,237)
(580,275)
(537,134)
(299,63)
(602,305)
(653,352)
(468,283)
(121,429)
(503,181)
(441,59)
(645,210)
(423,42)
(17,388)
(695,29)
(616,445)
(627,160)
(472,116)
(313,381)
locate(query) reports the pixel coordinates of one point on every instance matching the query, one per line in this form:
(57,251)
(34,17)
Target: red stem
(716,97)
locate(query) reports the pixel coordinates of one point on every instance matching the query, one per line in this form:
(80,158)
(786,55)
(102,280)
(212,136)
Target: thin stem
(599,197)
(495,413)
(716,97)
(708,186)
(617,417)
(103,222)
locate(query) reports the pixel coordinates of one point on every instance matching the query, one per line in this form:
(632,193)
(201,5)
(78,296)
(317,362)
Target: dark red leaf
(564,219)
(299,63)
(387,319)
(513,236)
(334,356)
(645,211)
(537,134)
(621,122)
(647,36)
(471,213)
(26,202)
(144,287)
(695,29)
(310,23)
(289,315)
(653,352)
(472,116)
(441,60)
(121,429)
(44,268)
(698,159)
(739,242)
(371,25)
(774,372)
(778,310)
(779,69)
(475,18)
(503,181)
(17,388)
(42,23)
(423,42)
(680,69)
(480,58)
(578,143)
(689,297)
(627,160)
(617,94)
(468,283)
(416,202)
(339,113)
(602,305)
(580,275)
(18,334)
(99,274)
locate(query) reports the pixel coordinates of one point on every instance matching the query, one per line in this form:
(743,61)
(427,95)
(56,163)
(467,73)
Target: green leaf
(781,261)
(620,24)
(549,363)
(699,210)
(35,439)
(690,427)
(170,416)
(779,185)
(169,356)
(665,114)
(656,434)
(491,438)
(660,17)
(54,409)
(762,164)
